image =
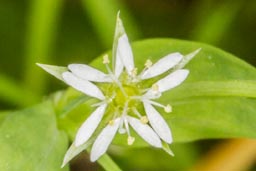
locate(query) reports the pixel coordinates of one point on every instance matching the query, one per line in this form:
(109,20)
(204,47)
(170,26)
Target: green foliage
(216,101)
(42,29)
(14,94)
(103,14)
(30,140)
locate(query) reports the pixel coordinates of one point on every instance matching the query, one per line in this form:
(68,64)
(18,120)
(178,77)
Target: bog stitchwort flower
(125,93)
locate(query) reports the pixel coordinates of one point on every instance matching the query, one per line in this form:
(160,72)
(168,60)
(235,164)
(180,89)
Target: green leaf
(186,154)
(216,101)
(30,140)
(214,23)
(103,14)
(41,33)
(15,94)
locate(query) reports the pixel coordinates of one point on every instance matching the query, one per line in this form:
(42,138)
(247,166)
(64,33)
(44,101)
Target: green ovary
(120,99)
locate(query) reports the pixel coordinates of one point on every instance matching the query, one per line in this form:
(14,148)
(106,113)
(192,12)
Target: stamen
(134,72)
(155,88)
(153,92)
(125,110)
(168,108)
(136,112)
(155,103)
(136,97)
(100,103)
(127,127)
(105,59)
(148,63)
(113,77)
(144,119)
(121,129)
(111,122)
(130,140)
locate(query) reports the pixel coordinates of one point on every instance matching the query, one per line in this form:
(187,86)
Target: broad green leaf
(216,101)
(186,154)
(30,140)
(3,114)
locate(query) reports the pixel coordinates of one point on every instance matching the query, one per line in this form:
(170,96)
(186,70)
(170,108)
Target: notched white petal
(119,66)
(104,139)
(172,80)
(119,31)
(88,73)
(158,123)
(162,65)
(145,132)
(83,85)
(125,52)
(89,126)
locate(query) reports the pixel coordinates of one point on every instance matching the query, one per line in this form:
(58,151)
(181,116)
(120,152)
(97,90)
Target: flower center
(121,99)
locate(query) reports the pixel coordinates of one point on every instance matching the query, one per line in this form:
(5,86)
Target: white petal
(172,80)
(125,52)
(88,73)
(162,65)
(158,123)
(82,85)
(119,66)
(89,126)
(145,131)
(104,139)
(119,31)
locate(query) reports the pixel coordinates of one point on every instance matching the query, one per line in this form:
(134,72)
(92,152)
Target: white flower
(124,94)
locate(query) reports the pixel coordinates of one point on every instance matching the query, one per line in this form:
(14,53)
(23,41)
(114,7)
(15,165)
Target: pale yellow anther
(168,108)
(130,140)
(144,119)
(105,59)
(109,100)
(111,122)
(134,72)
(148,63)
(155,87)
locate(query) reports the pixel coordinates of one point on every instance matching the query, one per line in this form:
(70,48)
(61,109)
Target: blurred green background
(60,32)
